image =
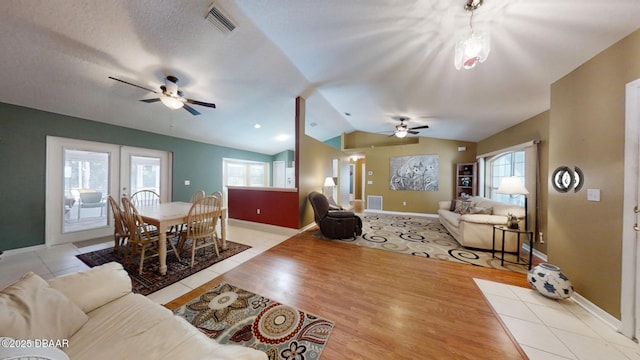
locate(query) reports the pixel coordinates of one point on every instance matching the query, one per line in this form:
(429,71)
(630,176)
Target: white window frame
(491,188)
(247,163)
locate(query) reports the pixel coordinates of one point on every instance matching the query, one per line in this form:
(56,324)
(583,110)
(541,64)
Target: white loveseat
(96,316)
(475,229)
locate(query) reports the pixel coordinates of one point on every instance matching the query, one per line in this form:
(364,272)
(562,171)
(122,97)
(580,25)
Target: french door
(82,174)
(145,169)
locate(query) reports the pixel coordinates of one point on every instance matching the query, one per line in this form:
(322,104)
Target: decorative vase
(550,281)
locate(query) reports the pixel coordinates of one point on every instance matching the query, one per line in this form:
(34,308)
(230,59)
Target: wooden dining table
(165,215)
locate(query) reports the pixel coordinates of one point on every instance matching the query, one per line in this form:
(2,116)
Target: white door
(80,176)
(279,174)
(145,169)
(630,297)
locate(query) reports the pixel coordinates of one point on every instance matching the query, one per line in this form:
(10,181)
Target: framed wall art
(418,172)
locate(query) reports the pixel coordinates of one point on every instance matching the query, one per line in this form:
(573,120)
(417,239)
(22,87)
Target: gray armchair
(334,224)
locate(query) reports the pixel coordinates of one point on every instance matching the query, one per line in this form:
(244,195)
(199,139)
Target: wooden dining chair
(142,241)
(120,233)
(201,225)
(145,197)
(197,195)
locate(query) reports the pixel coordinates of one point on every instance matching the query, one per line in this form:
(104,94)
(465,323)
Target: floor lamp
(330,184)
(513,186)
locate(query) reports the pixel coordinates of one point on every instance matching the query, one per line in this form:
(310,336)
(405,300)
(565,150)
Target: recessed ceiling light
(257,126)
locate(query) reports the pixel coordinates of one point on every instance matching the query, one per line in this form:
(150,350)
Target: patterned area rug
(426,237)
(151,280)
(231,315)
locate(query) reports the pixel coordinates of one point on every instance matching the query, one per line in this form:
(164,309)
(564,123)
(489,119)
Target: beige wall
(314,163)
(377,160)
(587,130)
(535,128)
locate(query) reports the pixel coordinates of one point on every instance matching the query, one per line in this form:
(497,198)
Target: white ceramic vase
(550,281)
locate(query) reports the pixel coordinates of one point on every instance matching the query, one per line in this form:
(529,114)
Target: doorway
(630,292)
(80,176)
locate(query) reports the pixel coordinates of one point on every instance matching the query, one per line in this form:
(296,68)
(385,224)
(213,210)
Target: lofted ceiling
(372,59)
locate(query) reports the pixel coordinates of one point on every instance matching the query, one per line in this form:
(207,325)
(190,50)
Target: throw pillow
(480,210)
(452,207)
(30,309)
(462,207)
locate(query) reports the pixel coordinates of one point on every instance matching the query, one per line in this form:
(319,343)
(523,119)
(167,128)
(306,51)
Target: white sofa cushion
(31,309)
(134,327)
(94,287)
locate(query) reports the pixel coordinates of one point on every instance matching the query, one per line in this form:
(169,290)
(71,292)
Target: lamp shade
(329,182)
(512,186)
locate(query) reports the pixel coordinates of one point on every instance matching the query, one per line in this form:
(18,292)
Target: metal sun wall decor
(564,179)
(414,173)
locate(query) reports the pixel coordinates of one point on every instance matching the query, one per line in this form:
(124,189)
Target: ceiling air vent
(220,20)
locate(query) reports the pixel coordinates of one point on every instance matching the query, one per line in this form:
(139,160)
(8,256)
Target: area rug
(232,315)
(150,280)
(425,237)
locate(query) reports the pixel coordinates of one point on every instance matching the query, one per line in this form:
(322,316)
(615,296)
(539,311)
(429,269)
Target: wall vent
(374,202)
(221,21)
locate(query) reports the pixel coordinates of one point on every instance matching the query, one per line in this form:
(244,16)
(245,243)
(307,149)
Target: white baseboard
(536,253)
(263,227)
(593,309)
(22,250)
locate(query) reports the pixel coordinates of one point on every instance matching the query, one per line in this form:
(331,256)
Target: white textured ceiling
(371,58)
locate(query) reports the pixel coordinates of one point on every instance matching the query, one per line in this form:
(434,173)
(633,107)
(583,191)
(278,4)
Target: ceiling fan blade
(128,83)
(413,132)
(191,110)
(196,102)
(419,127)
(150,100)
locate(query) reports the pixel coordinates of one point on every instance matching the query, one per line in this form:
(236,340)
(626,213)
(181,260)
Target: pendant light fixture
(473,47)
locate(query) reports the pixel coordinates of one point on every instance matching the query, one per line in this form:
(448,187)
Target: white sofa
(475,230)
(99,317)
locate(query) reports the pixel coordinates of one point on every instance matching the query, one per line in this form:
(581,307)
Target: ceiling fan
(402,129)
(171,95)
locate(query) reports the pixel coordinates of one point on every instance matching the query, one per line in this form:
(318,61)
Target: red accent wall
(276,207)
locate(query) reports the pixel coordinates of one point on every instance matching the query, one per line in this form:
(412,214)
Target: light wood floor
(384,305)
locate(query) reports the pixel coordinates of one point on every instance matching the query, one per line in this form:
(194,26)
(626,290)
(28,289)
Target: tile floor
(555,330)
(61,259)
(546,329)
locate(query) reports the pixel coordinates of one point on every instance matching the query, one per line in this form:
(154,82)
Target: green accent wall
(23,133)
(335,142)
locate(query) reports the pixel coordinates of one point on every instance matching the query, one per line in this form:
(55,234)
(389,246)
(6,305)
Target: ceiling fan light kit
(472,48)
(170,95)
(402,130)
(171,102)
(401,133)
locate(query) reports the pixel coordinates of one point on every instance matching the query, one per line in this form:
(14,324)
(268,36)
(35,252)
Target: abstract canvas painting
(419,172)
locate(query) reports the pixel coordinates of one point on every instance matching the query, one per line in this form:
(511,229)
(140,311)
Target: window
(245,173)
(505,165)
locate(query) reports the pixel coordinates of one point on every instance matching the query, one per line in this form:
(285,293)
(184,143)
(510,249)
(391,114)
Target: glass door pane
(145,174)
(85,190)
(145,169)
